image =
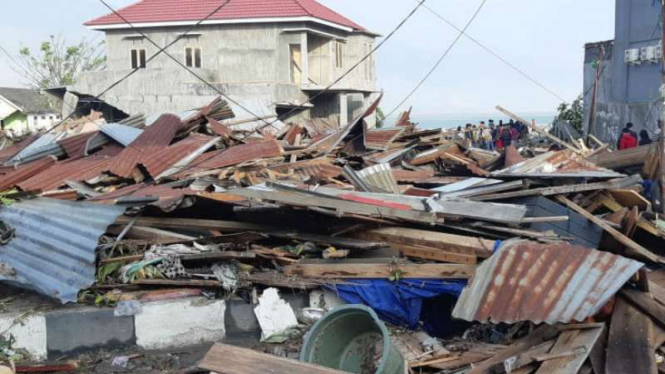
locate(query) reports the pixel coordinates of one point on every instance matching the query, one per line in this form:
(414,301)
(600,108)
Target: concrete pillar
(304,52)
(343,109)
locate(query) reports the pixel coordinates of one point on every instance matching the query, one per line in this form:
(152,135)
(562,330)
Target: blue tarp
(399,303)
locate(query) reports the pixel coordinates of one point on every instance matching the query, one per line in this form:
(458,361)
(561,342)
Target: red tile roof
(150,11)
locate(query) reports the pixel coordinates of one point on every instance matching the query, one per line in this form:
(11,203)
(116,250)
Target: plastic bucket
(351,338)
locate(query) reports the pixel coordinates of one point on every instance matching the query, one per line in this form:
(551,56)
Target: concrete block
(180,323)
(240,319)
(29,332)
(81,330)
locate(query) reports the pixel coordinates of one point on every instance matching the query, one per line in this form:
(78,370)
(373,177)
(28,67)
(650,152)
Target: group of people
(628,138)
(491,136)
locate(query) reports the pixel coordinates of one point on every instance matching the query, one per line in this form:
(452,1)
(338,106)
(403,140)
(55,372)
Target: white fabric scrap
(274,314)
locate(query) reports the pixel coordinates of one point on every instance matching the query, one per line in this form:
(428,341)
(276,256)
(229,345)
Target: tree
(573,114)
(56,64)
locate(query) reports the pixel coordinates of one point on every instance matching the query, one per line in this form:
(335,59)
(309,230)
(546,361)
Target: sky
(543,38)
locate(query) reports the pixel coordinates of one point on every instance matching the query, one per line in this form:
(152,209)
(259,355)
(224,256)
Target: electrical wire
(496,55)
(340,78)
(443,56)
(126,76)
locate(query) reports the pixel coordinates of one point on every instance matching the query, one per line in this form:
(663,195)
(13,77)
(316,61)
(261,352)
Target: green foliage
(4,200)
(107,271)
(55,64)
(573,114)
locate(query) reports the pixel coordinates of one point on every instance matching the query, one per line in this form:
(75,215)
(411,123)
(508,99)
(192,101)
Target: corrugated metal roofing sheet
(153,139)
(78,170)
(25,172)
(380,139)
(122,134)
(9,152)
(380,177)
(45,144)
(76,146)
(173,159)
(241,153)
(53,250)
(527,281)
(562,164)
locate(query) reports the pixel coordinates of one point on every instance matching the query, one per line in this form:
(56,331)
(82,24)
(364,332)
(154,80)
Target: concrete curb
(158,325)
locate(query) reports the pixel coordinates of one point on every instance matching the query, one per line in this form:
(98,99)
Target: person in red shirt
(627,140)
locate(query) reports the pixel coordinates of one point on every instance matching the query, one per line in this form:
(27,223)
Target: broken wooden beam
(385,271)
(632,248)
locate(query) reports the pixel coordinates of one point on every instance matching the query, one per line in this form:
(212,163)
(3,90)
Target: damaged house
(269,56)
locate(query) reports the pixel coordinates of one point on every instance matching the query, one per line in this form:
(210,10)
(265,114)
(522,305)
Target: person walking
(488,137)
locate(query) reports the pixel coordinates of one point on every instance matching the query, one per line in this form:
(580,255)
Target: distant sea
(453,121)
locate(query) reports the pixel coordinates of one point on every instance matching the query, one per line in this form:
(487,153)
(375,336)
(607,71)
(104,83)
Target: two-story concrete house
(270,55)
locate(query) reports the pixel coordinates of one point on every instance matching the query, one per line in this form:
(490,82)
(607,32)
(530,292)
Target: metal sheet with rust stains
(77,145)
(381,139)
(554,283)
(153,139)
(78,170)
(175,158)
(241,153)
(25,172)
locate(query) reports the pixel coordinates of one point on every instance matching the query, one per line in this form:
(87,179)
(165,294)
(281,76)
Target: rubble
(397,218)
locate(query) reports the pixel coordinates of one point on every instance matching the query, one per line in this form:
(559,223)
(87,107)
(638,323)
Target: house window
(43,117)
(193,57)
(339,54)
(138,58)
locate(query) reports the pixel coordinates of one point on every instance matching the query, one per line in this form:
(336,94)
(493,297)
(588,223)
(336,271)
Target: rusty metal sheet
(168,196)
(24,172)
(319,167)
(553,283)
(173,159)
(381,139)
(241,153)
(78,170)
(562,164)
(11,151)
(153,139)
(407,176)
(77,145)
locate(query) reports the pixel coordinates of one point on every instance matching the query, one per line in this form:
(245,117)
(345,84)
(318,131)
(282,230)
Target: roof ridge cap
(305,9)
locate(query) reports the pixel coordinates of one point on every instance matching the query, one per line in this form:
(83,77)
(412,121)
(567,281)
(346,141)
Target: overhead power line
(160,51)
(496,55)
(443,57)
(340,78)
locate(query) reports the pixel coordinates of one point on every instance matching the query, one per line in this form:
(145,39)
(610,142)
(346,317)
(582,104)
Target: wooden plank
(549,191)
(632,247)
(200,224)
(647,304)
(630,198)
(178,283)
(404,271)
(629,350)
(538,129)
(226,359)
(580,342)
(539,336)
(48,368)
(435,254)
(624,158)
(432,239)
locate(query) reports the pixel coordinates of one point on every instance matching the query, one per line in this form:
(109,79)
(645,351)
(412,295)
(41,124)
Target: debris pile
(551,258)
